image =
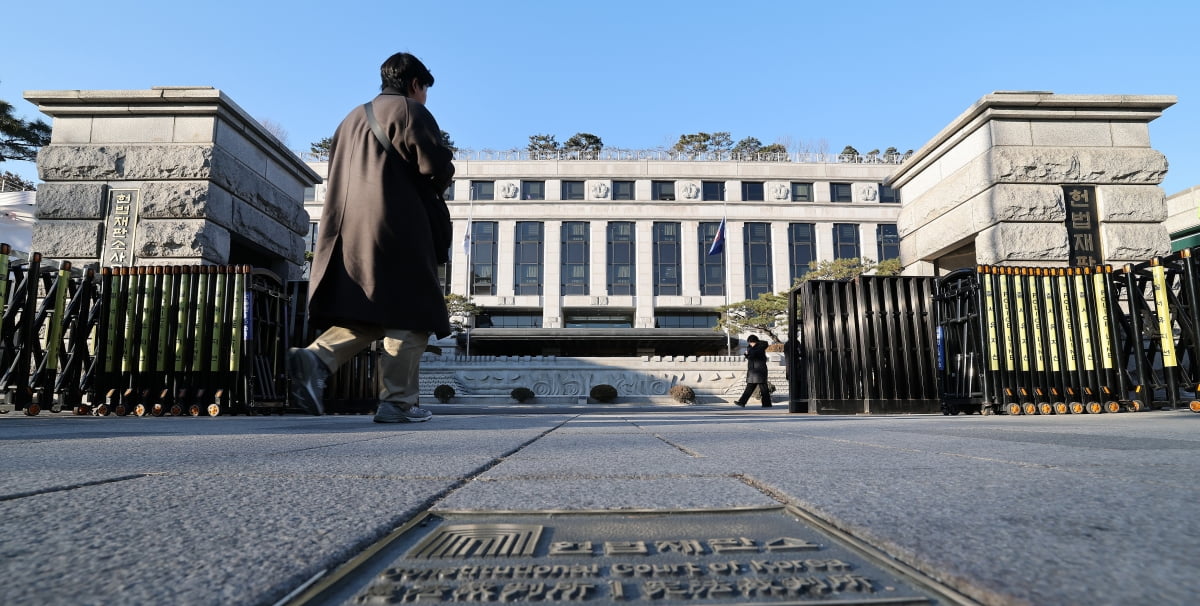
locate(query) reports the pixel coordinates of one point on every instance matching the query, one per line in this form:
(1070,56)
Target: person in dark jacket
(385,228)
(756,372)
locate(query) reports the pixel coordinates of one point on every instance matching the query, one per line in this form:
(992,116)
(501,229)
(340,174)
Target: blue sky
(637,74)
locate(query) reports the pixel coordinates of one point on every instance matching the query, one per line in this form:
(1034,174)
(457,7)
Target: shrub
(603,393)
(443,393)
(683,393)
(521,394)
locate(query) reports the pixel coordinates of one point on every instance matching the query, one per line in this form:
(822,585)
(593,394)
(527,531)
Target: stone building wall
(204,182)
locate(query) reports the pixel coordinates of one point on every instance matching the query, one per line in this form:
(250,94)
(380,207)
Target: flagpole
(470,247)
(725,262)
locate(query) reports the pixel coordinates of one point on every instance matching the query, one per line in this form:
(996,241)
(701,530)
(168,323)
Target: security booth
(863,346)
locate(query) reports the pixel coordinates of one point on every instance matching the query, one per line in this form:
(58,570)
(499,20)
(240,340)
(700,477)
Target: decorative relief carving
(690,191)
(780,191)
(600,190)
(867,192)
(509,190)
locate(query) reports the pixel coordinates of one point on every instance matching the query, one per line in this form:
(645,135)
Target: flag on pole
(467,240)
(718,244)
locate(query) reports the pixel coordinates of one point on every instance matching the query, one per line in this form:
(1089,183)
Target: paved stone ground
(1078,509)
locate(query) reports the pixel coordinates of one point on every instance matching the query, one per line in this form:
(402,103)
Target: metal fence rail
(141,340)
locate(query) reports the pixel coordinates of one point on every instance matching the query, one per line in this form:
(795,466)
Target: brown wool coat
(385,226)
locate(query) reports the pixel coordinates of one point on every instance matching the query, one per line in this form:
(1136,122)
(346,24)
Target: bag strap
(378,130)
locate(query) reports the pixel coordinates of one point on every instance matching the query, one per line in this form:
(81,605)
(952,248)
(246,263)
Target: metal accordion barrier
(147,340)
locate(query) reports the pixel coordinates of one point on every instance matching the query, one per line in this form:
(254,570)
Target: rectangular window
(483,257)
(845,241)
(888,195)
(310,194)
(802,248)
(533,190)
(508,319)
(757,251)
(712,190)
(840,192)
(527,258)
(752,190)
(662,190)
(622,190)
(576,239)
(483,190)
(686,320)
(449,193)
(666,259)
(621,258)
(712,267)
(802,192)
(888,238)
(572,190)
(598,319)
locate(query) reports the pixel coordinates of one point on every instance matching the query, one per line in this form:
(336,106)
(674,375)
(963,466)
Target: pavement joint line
(34,493)
(422,510)
(877,550)
(687,451)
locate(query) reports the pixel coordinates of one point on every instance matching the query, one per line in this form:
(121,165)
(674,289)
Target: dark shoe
(389,412)
(742,404)
(307,373)
(766,405)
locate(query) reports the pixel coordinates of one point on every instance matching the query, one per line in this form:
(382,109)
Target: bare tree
(276,129)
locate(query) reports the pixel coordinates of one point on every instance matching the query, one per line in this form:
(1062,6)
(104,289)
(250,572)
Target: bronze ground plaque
(776,555)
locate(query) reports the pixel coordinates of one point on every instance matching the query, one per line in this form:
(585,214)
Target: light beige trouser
(399,365)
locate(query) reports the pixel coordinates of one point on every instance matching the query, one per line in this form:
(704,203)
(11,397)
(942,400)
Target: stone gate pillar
(170,175)
(1035,178)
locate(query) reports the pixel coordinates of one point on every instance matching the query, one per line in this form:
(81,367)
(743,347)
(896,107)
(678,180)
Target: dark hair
(752,339)
(400,69)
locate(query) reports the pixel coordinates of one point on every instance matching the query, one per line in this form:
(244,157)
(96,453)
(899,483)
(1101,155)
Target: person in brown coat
(384,230)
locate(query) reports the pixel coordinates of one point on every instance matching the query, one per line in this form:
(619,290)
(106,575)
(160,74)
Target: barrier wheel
(120,410)
(1061,408)
(83,410)
(1194,406)
(1030,408)
(1076,408)
(1112,406)
(32,410)
(214,410)
(1045,408)
(1014,409)
(1137,406)
(139,410)
(1094,408)
(986,410)
(194,410)
(101,410)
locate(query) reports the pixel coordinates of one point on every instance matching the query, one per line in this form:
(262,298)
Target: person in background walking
(384,230)
(756,372)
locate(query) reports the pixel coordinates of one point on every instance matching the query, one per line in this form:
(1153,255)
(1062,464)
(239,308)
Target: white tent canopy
(16,219)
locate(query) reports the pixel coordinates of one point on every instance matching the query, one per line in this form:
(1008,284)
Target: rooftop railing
(617,154)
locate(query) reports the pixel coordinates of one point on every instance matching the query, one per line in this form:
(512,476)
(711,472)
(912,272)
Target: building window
(712,267)
(527,258)
(622,190)
(600,319)
(757,250)
(449,193)
(576,238)
(483,190)
(666,259)
(888,238)
(686,320)
(508,319)
(752,190)
(662,190)
(620,258)
(533,190)
(845,241)
(483,258)
(572,190)
(802,192)
(712,190)
(840,192)
(888,195)
(310,194)
(444,273)
(802,248)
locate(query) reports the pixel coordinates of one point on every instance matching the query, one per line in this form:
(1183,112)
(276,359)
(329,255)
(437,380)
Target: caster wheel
(120,410)
(1030,408)
(139,410)
(176,410)
(1061,408)
(194,410)
(1076,408)
(1045,408)
(1014,409)
(32,410)
(1094,408)
(214,410)
(1194,405)
(1112,406)
(986,410)
(101,410)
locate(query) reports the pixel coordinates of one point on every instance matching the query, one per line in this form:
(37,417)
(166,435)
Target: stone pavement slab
(1008,510)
